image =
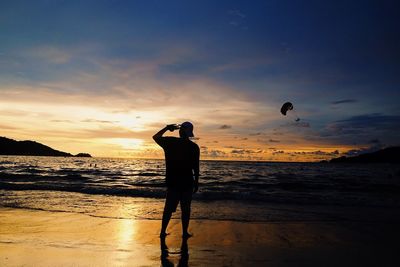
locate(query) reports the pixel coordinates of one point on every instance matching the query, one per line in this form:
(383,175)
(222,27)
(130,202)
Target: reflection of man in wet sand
(182,173)
(184,259)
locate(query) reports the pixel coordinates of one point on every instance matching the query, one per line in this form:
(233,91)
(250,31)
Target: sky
(103,76)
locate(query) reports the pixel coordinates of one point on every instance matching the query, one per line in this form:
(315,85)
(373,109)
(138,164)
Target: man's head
(186,130)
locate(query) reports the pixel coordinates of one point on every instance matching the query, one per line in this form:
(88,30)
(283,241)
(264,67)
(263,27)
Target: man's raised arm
(157,137)
(160,133)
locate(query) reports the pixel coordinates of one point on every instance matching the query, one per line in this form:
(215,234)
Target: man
(182,173)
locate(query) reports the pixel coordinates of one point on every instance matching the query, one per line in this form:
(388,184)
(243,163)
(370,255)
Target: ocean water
(244,191)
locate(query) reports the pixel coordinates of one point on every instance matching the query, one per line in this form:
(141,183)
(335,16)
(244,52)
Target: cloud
(69,121)
(255,134)
(356,152)
(245,151)
(110,132)
(50,54)
(213,153)
(365,124)
(277,152)
(236,13)
(99,121)
(237,19)
(8,127)
(360,130)
(370,120)
(13,113)
(300,124)
(344,101)
(273,141)
(225,126)
(234,147)
(316,153)
(124,87)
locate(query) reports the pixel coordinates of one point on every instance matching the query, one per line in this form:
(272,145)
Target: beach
(107,212)
(44,238)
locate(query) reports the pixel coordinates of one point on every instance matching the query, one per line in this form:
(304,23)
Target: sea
(229,190)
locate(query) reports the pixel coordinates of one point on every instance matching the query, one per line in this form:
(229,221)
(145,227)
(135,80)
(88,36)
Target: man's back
(181,159)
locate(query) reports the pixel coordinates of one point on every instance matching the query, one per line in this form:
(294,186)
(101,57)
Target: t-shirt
(181,161)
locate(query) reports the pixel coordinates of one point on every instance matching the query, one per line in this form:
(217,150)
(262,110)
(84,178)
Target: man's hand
(172,127)
(195,187)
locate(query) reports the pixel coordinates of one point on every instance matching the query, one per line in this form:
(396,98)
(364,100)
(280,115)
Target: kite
(286,107)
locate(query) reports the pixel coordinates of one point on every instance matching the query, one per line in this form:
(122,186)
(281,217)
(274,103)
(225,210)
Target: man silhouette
(182,173)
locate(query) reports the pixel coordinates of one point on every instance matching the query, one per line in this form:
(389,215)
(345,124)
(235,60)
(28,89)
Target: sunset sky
(103,76)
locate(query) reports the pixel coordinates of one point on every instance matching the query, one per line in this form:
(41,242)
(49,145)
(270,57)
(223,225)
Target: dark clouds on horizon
(364,129)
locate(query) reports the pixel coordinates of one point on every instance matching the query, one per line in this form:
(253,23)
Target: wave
(277,183)
(12,177)
(158,191)
(112,191)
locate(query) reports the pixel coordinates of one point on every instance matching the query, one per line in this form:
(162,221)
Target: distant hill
(387,155)
(31,148)
(83,155)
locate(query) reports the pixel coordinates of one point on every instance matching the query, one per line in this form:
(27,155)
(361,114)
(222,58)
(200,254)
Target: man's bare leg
(185,220)
(165,220)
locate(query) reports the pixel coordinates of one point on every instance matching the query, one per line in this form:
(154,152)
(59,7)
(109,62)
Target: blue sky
(213,62)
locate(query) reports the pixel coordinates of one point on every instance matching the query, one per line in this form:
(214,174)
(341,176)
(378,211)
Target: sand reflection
(126,233)
(126,230)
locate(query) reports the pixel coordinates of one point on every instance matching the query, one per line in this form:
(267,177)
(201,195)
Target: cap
(187,127)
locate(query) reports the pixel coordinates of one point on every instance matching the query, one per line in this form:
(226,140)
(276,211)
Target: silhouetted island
(387,155)
(31,148)
(83,155)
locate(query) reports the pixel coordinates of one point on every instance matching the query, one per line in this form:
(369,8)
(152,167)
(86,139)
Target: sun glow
(126,143)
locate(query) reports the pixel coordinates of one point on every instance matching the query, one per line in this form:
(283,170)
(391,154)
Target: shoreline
(43,238)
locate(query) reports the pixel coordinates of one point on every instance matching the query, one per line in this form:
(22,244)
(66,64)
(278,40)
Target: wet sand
(43,238)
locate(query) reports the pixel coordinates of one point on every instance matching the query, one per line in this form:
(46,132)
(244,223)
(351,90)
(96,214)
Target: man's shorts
(174,196)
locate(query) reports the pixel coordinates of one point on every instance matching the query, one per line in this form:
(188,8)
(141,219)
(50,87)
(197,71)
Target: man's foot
(163,235)
(186,235)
